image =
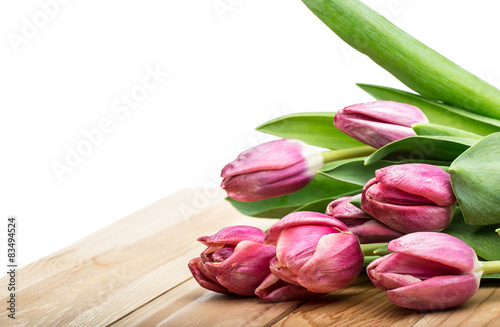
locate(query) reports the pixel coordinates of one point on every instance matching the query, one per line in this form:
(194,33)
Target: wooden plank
(190,305)
(361,304)
(105,276)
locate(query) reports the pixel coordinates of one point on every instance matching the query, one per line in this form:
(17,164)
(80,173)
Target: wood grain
(134,273)
(107,275)
(190,305)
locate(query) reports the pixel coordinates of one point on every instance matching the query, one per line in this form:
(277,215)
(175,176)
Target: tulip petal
(373,231)
(297,244)
(391,112)
(409,219)
(341,208)
(400,269)
(437,293)
(232,235)
(425,180)
(390,281)
(274,289)
(282,272)
(303,218)
(337,261)
(203,280)
(222,254)
(438,247)
(264,184)
(246,268)
(373,133)
(391,195)
(380,122)
(277,154)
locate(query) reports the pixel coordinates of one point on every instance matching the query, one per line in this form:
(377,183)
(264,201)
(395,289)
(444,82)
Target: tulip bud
(274,289)
(427,271)
(361,224)
(410,198)
(271,169)
(380,122)
(235,260)
(314,251)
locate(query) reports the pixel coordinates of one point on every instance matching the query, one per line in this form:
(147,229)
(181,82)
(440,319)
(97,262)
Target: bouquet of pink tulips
(406,187)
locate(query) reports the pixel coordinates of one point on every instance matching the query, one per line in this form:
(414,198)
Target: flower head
(235,260)
(410,198)
(271,169)
(380,122)
(427,271)
(314,251)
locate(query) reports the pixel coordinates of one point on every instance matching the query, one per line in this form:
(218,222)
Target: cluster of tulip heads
(308,254)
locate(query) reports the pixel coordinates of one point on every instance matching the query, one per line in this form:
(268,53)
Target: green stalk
(334,155)
(490,267)
(369,248)
(413,63)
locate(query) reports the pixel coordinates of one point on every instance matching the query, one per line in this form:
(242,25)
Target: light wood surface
(134,273)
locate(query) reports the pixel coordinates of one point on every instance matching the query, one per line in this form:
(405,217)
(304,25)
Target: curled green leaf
(412,62)
(422,148)
(475,178)
(440,130)
(314,128)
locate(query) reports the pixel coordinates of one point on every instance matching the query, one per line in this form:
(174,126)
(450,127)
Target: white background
(229,69)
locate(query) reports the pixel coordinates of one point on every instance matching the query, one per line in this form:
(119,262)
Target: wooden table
(134,273)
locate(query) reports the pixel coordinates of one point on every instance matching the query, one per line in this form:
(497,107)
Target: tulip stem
(490,267)
(369,248)
(334,155)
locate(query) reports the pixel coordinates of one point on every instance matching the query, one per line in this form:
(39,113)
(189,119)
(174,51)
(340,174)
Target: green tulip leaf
(475,178)
(356,202)
(491,276)
(381,251)
(422,148)
(316,206)
(321,204)
(369,259)
(314,128)
(320,188)
(436,112)
(483,239)
(412,62)
(440,130)
(353,170)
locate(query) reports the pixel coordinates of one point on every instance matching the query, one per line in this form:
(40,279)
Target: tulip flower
(314,251)
(274,289)
(271,169)
(427,271)
(380,122)
(235,260)
(361,224)
(410,198)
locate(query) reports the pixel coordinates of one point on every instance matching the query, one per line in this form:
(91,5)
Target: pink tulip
(274,289)
(314,251)
(427,271)
(361,224)
(380,122)
(410,198)
(271,169)
(235,260)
